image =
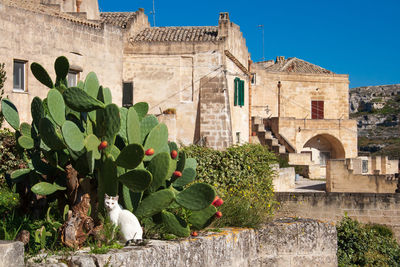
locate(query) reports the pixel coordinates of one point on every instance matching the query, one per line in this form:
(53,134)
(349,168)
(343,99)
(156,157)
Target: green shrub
(8,200)
(11,157)
(242,176)
(366,245)
(2,81)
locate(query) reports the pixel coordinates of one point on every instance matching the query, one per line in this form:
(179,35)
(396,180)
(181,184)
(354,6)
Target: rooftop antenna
(262,29)
(154,15)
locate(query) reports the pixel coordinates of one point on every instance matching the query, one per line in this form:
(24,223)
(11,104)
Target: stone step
(268,135)
(258,120)
(272,142)
(282,149)
(260,127)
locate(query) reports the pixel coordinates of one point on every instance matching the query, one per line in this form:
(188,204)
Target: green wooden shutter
(241,99)
(236,92)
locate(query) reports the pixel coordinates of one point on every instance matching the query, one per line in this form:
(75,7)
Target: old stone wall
(215,116)
(37,37)
(341,176)
(331,207)
(284,181)
(296,92)
(285,242)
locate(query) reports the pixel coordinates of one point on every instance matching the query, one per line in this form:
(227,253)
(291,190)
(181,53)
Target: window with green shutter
(239,92)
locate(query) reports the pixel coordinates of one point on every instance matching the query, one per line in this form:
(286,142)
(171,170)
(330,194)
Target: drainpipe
(78,5)
(250,97)
(279,98)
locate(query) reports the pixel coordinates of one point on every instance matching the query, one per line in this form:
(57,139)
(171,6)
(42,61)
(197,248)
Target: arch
(329,143)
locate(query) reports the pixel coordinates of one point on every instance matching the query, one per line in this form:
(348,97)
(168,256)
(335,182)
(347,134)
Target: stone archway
(321,148)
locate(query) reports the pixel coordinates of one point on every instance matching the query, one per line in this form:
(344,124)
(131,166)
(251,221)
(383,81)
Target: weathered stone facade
(39,31)
(288,92)
(192,69)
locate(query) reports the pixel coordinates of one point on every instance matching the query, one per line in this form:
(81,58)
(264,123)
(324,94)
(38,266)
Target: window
(317,110)
(127,94)
(253,79)
(19,82)
(364,166)
(239,92)
(72,78)
(238,137)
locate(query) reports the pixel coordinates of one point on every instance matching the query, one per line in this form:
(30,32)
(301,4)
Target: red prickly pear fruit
(103,145)
(174,154)
(177,174)
(218,214)
(218,202)
(149,152)
(194,234)
(215,199)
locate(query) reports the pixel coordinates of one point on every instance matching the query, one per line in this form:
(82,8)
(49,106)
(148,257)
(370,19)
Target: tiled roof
(296,65)
(120,19)
(177,34)
(37,7)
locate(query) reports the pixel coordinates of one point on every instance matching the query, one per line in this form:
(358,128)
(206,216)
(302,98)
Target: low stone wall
(331,207)
(284,181)
(285,242)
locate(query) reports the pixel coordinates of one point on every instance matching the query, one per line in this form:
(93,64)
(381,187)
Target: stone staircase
(266,137)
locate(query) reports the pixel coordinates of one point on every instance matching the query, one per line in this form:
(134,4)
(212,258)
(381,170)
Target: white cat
(126,220)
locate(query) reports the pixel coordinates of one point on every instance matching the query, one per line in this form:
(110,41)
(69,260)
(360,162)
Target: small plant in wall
(81,146)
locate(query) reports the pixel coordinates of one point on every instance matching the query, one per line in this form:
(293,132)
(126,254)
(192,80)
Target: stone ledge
(11,253)
(285,241)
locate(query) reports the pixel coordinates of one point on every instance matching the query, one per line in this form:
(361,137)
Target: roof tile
(178,34)
(295,65)
(120,19)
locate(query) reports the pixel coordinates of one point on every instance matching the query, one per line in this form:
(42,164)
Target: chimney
(223,24)
(279,59)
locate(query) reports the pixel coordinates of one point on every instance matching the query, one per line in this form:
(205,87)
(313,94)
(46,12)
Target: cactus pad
(133,127)
(196,197)
(79,100)
(131,156)
(26,142)
(141,108)
(10,113)
(73,137)
(49,135)
(123,112)
(175,224)
(155,203)
(159,168)
(91,86)
(202,218)
(56,105)
(61,66)
(105,95)
(44,188)
(188,176)
(25,129)
(191,163)
(180,166)
(107,179)
(37,111)
(41,75)
(156,139)
(146,125)
(108,122)
(92,143)
(19,175)
(136,180)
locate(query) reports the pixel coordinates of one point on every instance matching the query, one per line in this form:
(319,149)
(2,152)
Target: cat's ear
(116,198)
(105,195)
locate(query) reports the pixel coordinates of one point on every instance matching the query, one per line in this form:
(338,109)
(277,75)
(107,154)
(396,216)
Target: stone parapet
(285,242)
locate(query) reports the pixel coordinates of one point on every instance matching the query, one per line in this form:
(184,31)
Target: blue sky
(356,37)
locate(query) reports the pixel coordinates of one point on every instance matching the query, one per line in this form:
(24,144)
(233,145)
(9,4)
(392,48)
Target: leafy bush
(242,176)
(11,157)
(2,81)
(366,245)
(8,200)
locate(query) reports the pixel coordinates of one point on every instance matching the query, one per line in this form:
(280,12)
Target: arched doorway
(321,148)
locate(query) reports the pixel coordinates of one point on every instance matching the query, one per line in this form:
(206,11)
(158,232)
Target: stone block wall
(284,180)
(345,176)
(215,119)
(331,207)
(284,242)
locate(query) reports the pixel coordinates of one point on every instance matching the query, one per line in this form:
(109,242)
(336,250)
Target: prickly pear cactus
(77,132)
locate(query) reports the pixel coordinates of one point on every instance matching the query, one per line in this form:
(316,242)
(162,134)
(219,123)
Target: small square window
(19,76)
(127,94)
(253,78)
(72,78)
(364,166)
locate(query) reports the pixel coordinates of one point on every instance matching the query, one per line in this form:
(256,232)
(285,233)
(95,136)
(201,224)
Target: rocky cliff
(377,110)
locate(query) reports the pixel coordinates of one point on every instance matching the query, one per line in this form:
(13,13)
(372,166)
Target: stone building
(41,30)
(199,72)
(306,110)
